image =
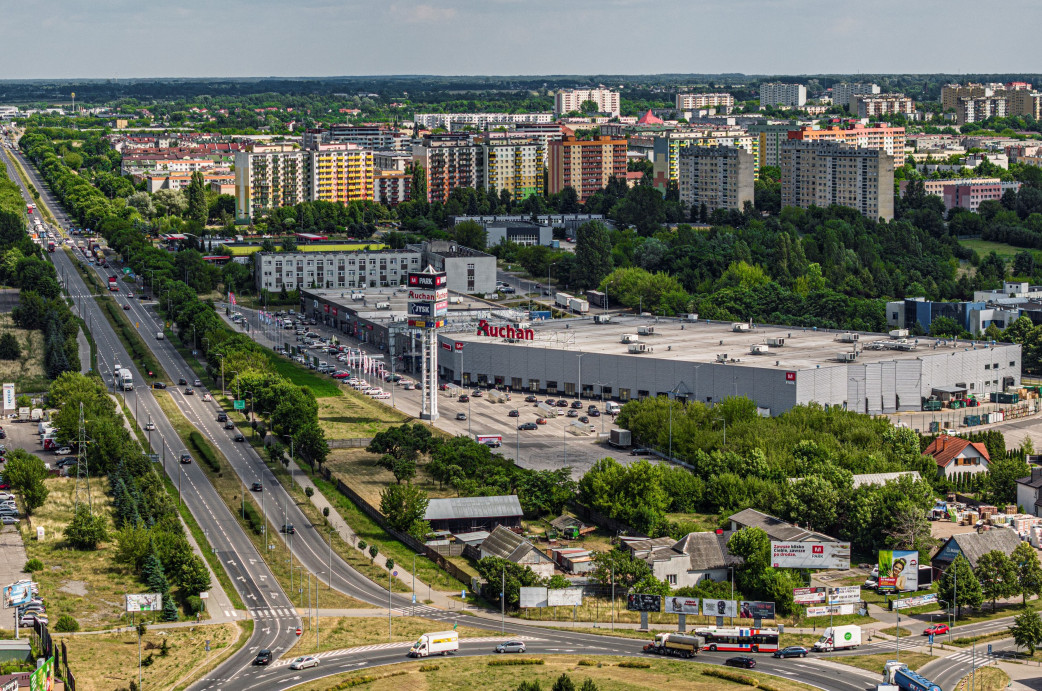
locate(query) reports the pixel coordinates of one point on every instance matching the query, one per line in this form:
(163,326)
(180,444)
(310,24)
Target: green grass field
(322,387)
(345,247)
(986,247)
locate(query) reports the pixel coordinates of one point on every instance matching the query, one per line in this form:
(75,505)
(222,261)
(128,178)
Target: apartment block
(392,187)
(180,181)
(585,164)
(969,110)
(780,94)
(515,166)
(666,150)
(889,139)
(844,92)
(267,177)
(959,194)
(274,271)
(696,101)
(456,121)
(1025,103)
(822,173)
(568,100)
(450,161)
(720,177)
(770,138)
(340,173)
(876,105)
(951,93)
(541,133)
(374,137)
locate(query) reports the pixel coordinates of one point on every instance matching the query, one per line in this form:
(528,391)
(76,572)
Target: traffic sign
(394,573)
(299,631)
(239,404)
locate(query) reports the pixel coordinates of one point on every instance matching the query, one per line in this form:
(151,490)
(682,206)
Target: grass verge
(967,641)
(337,633)
(874,663)
(608,673)
(227,484)
(985,679)
(108,661)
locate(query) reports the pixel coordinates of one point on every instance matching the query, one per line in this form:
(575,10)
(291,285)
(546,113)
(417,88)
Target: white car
(149,426)
(304,662)
(63,451)
(382,395)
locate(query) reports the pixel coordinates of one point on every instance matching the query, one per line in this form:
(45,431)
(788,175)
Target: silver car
(511,647)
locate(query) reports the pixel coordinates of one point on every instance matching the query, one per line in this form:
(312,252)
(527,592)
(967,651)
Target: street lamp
(550,288)
(723,420)
(580,384)
(675,391)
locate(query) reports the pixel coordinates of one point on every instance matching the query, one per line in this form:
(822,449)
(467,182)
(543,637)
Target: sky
(249,38)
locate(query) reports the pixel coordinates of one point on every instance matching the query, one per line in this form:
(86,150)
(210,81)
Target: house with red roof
(957,455)
(650,118)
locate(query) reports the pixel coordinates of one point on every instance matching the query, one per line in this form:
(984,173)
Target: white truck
(126,379)
(441,642)
(839,638)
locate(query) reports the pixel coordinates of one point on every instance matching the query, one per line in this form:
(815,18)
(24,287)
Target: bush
(309,492)
(204,452)
(33,565)
(429,668)
(362,544)
(254,519)
(325,511)
(193,605)
(512,661)
(363,679)
(635,664)
(588,663)
(726,674)
(66,624)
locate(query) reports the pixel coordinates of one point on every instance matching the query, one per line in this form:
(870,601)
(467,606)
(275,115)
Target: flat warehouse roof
(673,339)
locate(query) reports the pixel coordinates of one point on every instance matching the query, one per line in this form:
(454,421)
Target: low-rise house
(776,528)
(506,544)
(974,545)
(1028,492)
(466,514)
(573,559)
(692,559)
(958,455)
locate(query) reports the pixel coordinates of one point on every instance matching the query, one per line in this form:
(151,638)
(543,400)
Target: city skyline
(257,38)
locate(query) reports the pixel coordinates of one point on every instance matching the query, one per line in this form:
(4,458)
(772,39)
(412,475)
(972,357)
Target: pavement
(84,349)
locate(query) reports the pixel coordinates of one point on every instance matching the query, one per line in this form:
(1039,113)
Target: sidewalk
(1023,676)
(84,350)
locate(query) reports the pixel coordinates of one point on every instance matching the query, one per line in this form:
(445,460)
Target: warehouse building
(776,367)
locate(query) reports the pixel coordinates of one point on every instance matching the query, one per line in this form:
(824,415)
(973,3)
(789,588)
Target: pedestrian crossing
(968,656)
(393,646)
(273,613)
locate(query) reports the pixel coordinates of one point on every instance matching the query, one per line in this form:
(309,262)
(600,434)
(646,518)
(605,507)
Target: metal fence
(43,642)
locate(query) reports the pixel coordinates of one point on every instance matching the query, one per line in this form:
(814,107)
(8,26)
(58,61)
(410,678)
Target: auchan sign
(506,332)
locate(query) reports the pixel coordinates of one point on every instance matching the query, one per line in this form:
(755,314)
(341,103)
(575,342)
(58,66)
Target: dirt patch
(74,588)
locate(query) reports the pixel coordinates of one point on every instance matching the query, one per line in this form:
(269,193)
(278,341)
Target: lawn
(87,585)
(110,661)
(27,371)
(463,674)
(337,633)
(875,663)
(320,385)
(986,679)
(230,489)
(985,247)
(352,415)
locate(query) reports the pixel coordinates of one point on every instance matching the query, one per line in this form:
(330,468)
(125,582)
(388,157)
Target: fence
(404,538)
(353,443)
(45,644)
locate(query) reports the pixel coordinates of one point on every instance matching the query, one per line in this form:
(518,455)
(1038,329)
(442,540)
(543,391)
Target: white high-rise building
(842,93)
(568,100)
(779,94)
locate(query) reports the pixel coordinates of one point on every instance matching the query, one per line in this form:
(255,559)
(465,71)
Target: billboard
(145,602)
(829,609)
(681,605)
(810,555)
(844,595)
(429,295)
(18,593)
(808,596)
(564,597)
(917,601)
(719,608)
(9,397)
(533,597)
(898,570)
(755,610)
(638,602)
(43,678)
(428,281)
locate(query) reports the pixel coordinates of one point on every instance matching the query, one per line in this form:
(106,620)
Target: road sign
(394,573)
(299,631)
(463,594)
(239,404)
(931,639)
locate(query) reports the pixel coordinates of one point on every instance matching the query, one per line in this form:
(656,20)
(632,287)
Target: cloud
(422,13)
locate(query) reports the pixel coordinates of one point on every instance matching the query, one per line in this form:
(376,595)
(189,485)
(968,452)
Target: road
(247,571)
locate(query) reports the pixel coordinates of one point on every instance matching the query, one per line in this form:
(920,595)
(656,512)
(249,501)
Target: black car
(288,529)
(263,657)
(639,451)
(530,399)
(463,398)
(740,661)
(222,417)
(577,405)
(189,391)
(791,651)
(239,437)
(584,419)
(562,403)
(158,385)
(528,425)
(595,413)
(229,425)
(182,381)
(550,401)
(256,487)
(513,413)
(185,458)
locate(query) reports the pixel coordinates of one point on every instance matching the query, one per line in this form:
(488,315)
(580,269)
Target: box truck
(839,638)
(442,642)
(620,438)
(126,380)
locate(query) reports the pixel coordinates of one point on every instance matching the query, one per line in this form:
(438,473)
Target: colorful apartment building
(889,139)
(450,161)
(666,150)
(585,165)
(267,177)
(340,173)
(392,187)
(515,166)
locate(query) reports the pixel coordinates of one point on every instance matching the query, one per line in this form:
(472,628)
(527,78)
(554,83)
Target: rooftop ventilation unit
(776,341)
(846,357)
(899,333)
(640,348)
(630,338)
(722,357)
(741,327)
(849,337)
(759,349)
(646,330)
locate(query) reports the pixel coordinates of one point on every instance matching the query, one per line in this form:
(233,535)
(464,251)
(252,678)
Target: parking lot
(550,446)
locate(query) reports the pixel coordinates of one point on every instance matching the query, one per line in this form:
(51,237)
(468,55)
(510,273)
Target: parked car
(8,520)
(740,661)
(936,629)
(640,451)
(263,657)
(540,421)
(511,647)
(791,651)
(256,487)
(530,399)
(595,413)
(572,413)
(562,403)
(304,662)
(461,416)
(528,425)
(577,405)
(185,458)
(30,619)
(583,419)
(63,451)
(513,413)
(476,393)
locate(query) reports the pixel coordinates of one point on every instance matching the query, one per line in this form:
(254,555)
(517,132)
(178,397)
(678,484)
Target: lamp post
(675,391)
(550,288)
(723,420)
(579,356)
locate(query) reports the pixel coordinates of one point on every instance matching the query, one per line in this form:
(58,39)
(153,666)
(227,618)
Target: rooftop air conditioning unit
(899,333)
(630,338)
(641,348)
(776,341)
(722,357)
(741,327)
(646,330)
(849,337)
(602,319)
(758,349)
(847,357)
(691,317)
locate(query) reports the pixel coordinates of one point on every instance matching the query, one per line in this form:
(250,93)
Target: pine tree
(169,609)
(563,683)
(197,207)
(9,348)
(152,572)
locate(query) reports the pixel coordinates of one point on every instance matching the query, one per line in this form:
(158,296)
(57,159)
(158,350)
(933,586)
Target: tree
(494,569)
(169,609)
(310,442)
(152,574)
(624,568)
(945,326)
(1027,630)
(198,209)
(86,530)
(997,576)
(373,551)
(9,348)
(1001,480)
(592,254)
(587,107)
(419,183)
(404,506)
(564,682)
(26,473)
(471,234)
(969,589)
(1029,571)
(401,468)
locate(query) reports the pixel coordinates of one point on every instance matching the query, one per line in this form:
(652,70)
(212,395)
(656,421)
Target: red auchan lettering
(484,328)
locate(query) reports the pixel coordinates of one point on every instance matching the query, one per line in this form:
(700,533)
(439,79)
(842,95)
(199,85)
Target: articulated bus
(740,640)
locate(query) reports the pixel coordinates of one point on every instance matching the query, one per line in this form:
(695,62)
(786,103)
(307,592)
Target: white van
(159,336)
(612,408)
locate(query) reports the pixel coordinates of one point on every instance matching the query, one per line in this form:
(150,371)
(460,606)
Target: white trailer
(442,642)
(562,300)
(577,305)
(839,638)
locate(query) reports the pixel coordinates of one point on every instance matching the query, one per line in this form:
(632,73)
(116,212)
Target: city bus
(740,640)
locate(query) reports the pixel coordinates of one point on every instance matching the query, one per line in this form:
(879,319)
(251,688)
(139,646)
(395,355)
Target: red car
(936,629)
(540,421)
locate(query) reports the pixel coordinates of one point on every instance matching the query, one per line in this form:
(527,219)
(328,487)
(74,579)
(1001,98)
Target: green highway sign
(240,404)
